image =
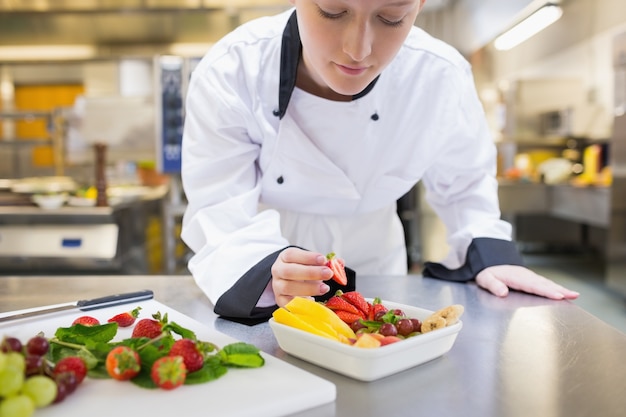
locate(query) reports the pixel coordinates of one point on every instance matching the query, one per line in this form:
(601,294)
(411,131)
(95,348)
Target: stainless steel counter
(518,356)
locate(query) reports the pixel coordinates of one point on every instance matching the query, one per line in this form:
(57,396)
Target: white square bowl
(368,364)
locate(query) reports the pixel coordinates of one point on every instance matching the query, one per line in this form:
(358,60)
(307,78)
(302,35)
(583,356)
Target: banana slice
(447,316)
(451,313)
(433,323)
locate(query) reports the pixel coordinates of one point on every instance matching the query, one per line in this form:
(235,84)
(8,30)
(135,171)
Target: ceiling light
(46,52)
(528,27)
(190,49)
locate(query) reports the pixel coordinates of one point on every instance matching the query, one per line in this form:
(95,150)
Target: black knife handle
(114,300)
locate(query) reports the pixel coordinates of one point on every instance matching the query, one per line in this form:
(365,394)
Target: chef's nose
(357,42)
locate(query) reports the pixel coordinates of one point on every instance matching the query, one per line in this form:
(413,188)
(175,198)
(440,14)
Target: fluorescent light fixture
(528,27)
(46,52)
(190,49)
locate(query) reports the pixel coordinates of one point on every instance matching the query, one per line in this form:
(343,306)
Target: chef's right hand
(297,272)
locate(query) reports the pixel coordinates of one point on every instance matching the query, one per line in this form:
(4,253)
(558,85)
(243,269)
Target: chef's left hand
(498,279)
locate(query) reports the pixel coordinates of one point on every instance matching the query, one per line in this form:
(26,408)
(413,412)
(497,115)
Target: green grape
(16,361)
(41,389)
(11,380)
(3,360)
(17,406)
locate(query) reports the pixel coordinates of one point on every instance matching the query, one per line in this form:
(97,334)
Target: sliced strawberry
(348,317)
(125,319)
(337,303)
(338,267)
(375,310)
(86,321)
(356,299)
(169,372)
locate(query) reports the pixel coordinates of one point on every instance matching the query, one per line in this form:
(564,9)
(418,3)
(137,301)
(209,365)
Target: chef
(303,130)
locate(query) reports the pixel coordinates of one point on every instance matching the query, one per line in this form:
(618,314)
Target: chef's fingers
(533,283)
(285,290)
(523,279)
(301,256)
(300,265)
(488,281)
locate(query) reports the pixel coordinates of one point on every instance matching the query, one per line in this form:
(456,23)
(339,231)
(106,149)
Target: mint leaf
(82,334)
(180,330)
(242,355)
(211,370)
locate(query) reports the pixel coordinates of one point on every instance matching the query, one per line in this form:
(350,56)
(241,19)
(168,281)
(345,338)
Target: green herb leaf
(241,354)
(82,334)
(211,370)
(180,330)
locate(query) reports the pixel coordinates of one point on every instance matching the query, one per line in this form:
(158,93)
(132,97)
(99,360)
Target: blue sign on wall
(172,119)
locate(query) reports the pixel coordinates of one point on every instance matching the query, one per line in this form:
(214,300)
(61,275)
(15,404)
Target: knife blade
(86,305)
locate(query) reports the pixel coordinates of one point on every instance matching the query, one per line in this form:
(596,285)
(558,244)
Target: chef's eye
(329,15)
(392,22)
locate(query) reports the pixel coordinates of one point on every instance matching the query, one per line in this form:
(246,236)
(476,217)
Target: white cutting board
(276,389)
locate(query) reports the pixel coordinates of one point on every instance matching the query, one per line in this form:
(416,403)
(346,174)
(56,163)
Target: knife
(86,305)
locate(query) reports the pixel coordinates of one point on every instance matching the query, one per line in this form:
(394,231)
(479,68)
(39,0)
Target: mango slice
(307,307)
(287,318)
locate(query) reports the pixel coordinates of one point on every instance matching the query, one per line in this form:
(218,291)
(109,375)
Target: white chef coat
(326,175)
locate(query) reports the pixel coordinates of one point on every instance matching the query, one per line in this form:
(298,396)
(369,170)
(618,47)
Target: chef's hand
(297,272)
(498,279)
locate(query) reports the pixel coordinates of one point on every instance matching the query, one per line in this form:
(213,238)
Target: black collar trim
(290,54)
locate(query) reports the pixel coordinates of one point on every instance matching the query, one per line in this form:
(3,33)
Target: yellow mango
(287,318)
(306,306)
(318,324)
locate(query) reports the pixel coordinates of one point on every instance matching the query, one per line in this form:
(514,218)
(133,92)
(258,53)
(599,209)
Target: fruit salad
(351,319)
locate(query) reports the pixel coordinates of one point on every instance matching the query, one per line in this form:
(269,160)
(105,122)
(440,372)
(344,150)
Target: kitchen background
(74,73)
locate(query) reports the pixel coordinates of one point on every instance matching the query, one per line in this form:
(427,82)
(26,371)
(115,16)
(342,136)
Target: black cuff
(239,302)
(482,253)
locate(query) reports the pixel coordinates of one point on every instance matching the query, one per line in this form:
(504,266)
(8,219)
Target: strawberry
(72,364)
(125,319)
(169,372)
(122,363)
(338,267)
(337,303)
(376,309)
(347,317)
(356,299)
(86,321)
(190,352)
(150,328)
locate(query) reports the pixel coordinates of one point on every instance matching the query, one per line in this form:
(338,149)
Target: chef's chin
(351,88)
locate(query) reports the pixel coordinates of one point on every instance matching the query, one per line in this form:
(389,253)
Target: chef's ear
(422,4)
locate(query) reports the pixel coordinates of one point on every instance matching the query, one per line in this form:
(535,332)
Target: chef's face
(347,43)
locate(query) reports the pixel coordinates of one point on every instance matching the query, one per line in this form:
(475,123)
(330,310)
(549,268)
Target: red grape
(68,380)
(417,325)
(37,345)
(405,327)
(11,344)
(357,325)
(379,315)
(388,329)
(34,365)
